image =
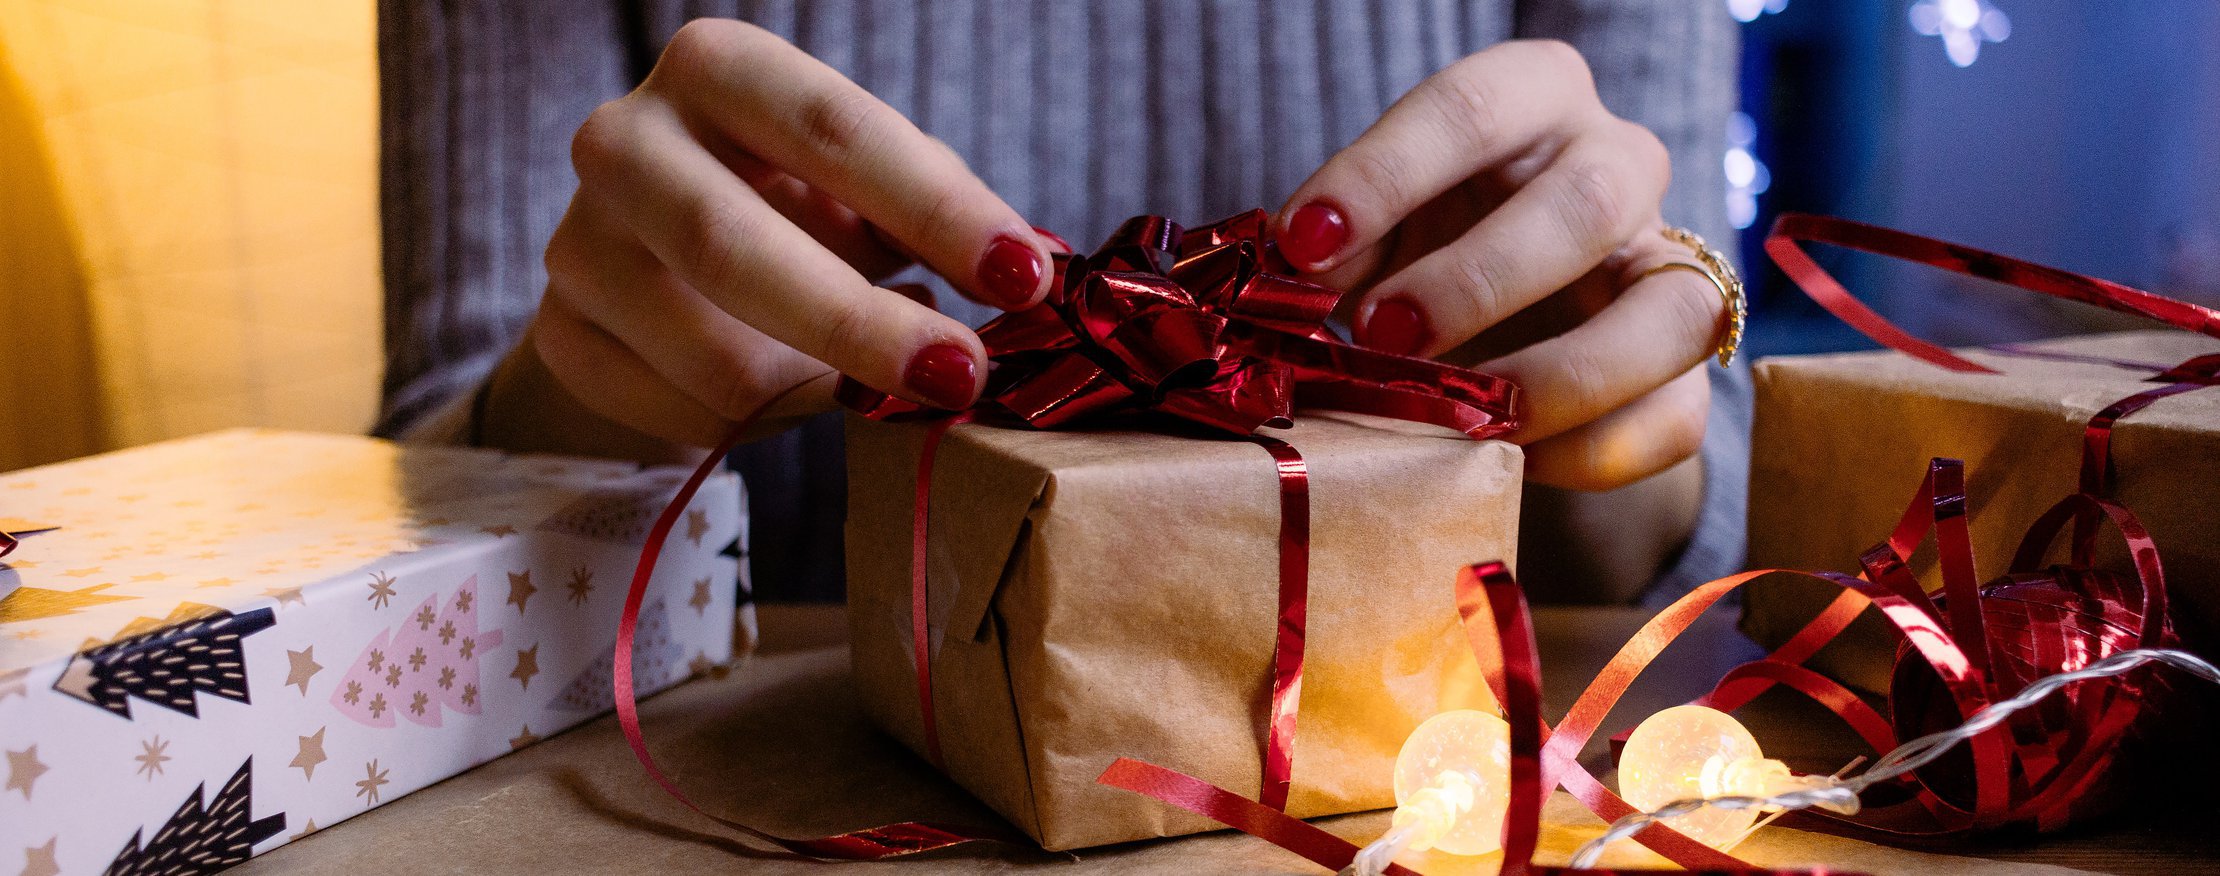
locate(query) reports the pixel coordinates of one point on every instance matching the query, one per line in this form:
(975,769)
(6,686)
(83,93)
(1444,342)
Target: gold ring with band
(1713,267)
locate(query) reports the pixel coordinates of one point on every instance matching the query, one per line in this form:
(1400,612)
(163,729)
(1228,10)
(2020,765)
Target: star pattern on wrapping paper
(151,757)
(284,595)
(701,665)
(306,829)
(373,779)
(11,684)
(381,589)
(581,585)
(521,589)
(82,573)
(700,599)
(527,665)
(40,861)
(522,739)
(310,753)
(24,771)
(151,576)
(697,525)
(302,666)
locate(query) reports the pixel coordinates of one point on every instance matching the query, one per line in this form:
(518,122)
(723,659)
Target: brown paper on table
(1842,440)
(1105,594)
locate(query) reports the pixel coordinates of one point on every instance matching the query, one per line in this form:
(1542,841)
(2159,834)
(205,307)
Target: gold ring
(1714,267)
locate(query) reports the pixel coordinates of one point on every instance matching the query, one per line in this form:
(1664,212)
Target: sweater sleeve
(477,105)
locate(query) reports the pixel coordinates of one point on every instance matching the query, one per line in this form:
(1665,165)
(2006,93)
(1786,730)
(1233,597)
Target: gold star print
(470,696)
(377,705)
(425,616)
(11,684)
(447,633)
(700,600)
(523,739)
(303,667)
(83,573)
(24,769)
(501,531)
(353,694)
(305,831)
(469,647)
(418,702)
(393,674)
(38,603)
(527,665)
(40,861)
(215,582)
(463,600)
(283,595)
(381,589)
(151,576)
(697,525)
(151,757)
(368,787)
(417,659)
(581,585)
(520,589)
(702,665)
(310,754)
(446,677)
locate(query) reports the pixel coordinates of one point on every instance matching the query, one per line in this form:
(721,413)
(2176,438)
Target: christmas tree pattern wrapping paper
(229,642)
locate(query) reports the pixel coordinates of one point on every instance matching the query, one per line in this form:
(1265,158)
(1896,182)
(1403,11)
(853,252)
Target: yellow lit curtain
(188,220)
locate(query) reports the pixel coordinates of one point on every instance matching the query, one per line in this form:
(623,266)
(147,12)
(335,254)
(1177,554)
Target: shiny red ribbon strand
(885,841)
(1288,644)
(7,543)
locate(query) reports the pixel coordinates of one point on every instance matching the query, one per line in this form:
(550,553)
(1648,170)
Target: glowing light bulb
(1452,785)
(1694,752)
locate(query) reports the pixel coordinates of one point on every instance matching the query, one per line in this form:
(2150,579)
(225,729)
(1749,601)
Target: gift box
(1841,440)
(1103,594)
(229,642)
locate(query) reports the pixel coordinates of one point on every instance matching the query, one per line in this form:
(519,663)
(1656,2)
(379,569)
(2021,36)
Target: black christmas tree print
(167,667)
(203,839)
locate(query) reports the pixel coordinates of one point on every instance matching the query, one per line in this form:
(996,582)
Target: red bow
(1203,324)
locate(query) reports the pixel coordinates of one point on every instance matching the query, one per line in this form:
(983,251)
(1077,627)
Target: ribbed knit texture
(1078,113)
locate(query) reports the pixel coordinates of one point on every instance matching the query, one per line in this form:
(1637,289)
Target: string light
(1747,11)
(1692,768)
(1842,794)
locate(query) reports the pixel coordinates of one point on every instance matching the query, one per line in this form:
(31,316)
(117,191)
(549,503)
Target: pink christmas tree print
(655,663)
(427,664)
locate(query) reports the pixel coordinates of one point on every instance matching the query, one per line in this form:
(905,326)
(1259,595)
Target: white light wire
(1910,756)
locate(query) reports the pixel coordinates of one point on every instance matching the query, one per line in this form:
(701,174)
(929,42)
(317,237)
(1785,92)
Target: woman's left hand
(1498,188)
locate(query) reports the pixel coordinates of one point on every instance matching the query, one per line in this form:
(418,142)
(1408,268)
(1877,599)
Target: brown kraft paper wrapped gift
(1105,594)
(1841,441)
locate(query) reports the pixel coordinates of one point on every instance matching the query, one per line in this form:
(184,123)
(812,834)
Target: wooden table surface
(779,743)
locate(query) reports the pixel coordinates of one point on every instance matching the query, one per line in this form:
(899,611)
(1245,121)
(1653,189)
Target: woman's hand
(1500,188)
(732,216)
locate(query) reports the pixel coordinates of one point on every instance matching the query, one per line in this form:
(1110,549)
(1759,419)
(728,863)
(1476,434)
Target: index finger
(778,103)
(1485,111)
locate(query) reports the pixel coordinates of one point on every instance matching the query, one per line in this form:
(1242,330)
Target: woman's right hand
(732,215)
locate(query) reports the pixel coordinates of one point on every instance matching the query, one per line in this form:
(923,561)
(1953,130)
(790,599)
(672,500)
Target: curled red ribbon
(1977,644)
(1206,325)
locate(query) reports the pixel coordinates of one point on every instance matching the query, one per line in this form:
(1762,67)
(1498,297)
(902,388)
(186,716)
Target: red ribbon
(1205,325)
(871,844)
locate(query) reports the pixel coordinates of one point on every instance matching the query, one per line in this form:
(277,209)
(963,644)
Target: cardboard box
(1106,594)
(232,641)
(1842,440)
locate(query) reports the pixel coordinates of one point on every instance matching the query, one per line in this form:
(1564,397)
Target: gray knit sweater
(1078,113)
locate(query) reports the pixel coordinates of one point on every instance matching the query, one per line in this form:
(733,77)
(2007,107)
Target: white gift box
(227,642)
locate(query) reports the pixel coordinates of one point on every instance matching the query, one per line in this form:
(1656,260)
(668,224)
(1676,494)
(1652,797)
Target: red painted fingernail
(1314,234)
(1010,272)
(1054,238)
(943,374)
(1396,326)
